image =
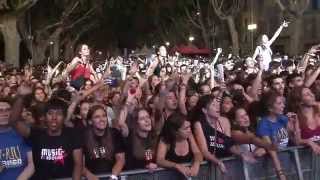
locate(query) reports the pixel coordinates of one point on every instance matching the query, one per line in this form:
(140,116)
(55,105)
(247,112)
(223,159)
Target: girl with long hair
(103,146)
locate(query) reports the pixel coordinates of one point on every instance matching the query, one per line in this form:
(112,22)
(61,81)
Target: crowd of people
(164,111)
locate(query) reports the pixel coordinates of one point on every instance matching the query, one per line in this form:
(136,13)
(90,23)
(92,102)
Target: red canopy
(191,50)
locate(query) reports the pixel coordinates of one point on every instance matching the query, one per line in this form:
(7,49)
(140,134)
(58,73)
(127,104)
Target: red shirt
(312,134)
(80,70)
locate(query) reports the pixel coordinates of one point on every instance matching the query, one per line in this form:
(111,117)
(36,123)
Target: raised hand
(185,78)
(134,68)
(314,49)
(285,24)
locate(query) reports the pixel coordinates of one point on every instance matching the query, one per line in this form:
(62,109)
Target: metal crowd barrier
(299,163)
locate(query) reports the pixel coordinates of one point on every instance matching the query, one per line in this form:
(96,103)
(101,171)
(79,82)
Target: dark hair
(62,94)
(235,125)
(56,104)
(273,77)
(203,103)
(78,49)
(39,88)
(6,100)
(267,101)
(295,99)
(135,116)
(91,143)
(290,77)
(171,126)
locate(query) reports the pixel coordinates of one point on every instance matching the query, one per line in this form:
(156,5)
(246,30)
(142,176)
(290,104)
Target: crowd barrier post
(298,164)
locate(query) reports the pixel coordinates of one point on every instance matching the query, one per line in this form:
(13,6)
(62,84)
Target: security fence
(299,163)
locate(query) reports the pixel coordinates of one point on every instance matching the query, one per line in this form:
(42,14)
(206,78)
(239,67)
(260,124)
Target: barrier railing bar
(245,170)
(298,164)
(213,170)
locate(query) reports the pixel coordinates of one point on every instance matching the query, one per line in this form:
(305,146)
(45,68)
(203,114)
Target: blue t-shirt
(13,154)
(277,131)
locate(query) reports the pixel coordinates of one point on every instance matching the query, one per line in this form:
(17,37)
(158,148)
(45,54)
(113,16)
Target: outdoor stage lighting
(252,27)
(191,38)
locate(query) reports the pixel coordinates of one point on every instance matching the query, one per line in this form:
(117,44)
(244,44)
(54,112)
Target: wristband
(114,177)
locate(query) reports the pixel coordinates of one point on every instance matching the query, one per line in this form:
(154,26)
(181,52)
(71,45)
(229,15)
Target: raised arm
(182,94)
(121,123)
(219,51)
(15,117)
(312,78)
(152,67)
(277,33)
(70,67)
(257,83)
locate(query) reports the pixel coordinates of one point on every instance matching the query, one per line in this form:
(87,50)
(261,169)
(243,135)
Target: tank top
(80,71)
(172,155)
(312,134)
(217,142)
(266,53)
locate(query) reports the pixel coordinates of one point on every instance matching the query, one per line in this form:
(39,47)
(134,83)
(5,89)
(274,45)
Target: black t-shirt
(217,142)
(136,149)
(100,164)
(173,156)
(53,155)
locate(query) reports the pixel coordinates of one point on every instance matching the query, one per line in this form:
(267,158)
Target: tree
(227,10)
(201,17)
(294,10)
(59,27)
(11,11)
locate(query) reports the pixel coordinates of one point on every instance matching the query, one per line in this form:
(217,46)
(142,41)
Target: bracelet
(113,177)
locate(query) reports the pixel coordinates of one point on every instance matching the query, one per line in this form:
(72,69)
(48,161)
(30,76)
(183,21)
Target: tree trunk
(69,46)
(295,38)
(11,39)
(56,49)
(234,35)
(204,33)
(39,53)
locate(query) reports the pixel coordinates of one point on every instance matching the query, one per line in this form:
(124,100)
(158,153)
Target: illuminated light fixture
(167,43)
(252,27)
(191,38)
